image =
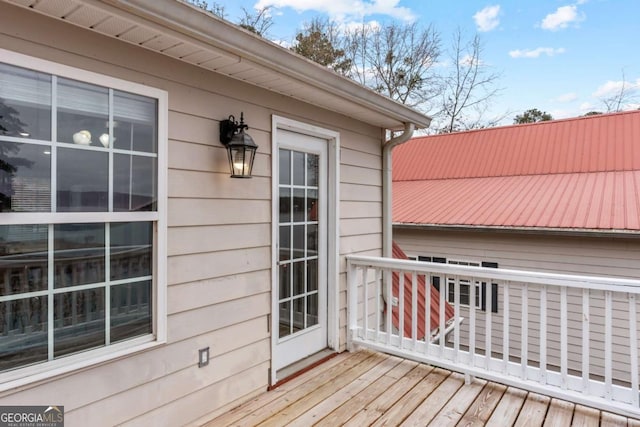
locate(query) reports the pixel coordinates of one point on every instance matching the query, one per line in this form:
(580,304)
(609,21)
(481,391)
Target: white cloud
(561,18)
(587,106)
(535,53)
(567,97)
(487,18)
(611,88)
(345,10)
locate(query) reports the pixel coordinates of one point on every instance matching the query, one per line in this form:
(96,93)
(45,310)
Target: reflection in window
(83,112)
(25,177)
(135,122)
(23,332)
(23,259)
(79,254)
(130,310)
(131,249)
(79,321)
(83,180)
(25,103)
(134,184)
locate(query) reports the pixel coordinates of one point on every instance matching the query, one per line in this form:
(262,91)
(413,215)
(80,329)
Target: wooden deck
(367,388)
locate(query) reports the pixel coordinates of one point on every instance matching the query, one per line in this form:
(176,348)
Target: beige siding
(558,254)
(219,236)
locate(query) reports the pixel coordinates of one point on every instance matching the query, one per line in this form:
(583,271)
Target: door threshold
(298,368)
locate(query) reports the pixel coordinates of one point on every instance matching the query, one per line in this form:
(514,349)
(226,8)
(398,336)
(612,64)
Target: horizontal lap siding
(568,255)
(219,235)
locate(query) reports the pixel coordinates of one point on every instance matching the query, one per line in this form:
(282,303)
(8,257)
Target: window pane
(298,278)
(134,183)
(25,103)
(312,310)
(79,254)
(79,321)
(285,204)
(298,241)
(130,310)
(131,249)
(284,279)
(312,240)
(23,259)
(285,322)
(285,242)
(312,275)
(298,205)
(312,169)
(312,205)
(298,168)
(23,332)
(285,167)
(135,122)
(298,314)
(83,180)
(25,177)
(83,112)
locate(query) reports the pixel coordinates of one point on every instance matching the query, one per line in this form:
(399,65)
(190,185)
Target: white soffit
(188,34)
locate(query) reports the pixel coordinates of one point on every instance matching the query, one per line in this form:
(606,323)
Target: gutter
(387,182)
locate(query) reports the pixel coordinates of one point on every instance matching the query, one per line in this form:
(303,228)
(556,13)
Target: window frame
(44,370)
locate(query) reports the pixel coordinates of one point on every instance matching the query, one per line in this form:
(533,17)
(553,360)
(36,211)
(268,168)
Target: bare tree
(469,88)
(623,96)
(396,60)
(258,21)
(215,8)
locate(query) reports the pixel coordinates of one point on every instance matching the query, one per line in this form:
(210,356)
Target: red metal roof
(581,173)
(435,301)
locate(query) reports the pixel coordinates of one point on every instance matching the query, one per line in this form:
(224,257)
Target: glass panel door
(298,241)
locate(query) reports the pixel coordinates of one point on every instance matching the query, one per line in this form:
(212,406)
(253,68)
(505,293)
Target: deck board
(366,388)
(479,412)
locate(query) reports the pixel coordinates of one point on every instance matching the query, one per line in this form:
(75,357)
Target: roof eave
(556,231)
(190,21)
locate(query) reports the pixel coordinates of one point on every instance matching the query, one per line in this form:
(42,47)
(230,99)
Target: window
(465,284)
(81,230)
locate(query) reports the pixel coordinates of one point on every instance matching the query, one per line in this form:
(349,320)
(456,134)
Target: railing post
(352,305)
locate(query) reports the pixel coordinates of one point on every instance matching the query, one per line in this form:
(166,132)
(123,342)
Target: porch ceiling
(186,33)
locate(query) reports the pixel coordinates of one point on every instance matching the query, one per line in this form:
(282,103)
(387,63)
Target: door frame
(333,231)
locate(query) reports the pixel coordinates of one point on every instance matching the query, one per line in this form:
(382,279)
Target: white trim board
(333,139)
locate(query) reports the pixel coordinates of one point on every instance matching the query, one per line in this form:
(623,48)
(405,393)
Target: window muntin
(68,283)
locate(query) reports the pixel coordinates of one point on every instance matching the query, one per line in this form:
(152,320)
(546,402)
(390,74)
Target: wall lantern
(240,146)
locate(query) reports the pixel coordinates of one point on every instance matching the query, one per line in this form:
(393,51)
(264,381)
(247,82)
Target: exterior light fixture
(240,146)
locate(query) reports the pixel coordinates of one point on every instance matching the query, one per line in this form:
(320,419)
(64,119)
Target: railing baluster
(633,346)
(543,334)
(441,320)
(378,295)
(585,341)
(524,331)
(563,338)
(488,322)
(456,314)
(352,295)
(427,316)
(389,293)
(505,329)
(608,330)
(401,308)
(414,309)
(365,311)
(472,327)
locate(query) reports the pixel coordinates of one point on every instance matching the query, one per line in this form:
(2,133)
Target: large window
(79,214)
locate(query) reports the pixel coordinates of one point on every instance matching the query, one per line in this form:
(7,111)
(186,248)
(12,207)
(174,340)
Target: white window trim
(46,370)
(333,230)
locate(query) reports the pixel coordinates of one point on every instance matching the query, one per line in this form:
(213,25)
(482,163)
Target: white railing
(570,337)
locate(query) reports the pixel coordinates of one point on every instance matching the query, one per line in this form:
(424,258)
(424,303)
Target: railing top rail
(537,277)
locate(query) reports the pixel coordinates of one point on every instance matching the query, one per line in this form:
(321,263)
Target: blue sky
(555,55)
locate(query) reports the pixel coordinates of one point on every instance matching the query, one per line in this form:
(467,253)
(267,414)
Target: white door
(301,270)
